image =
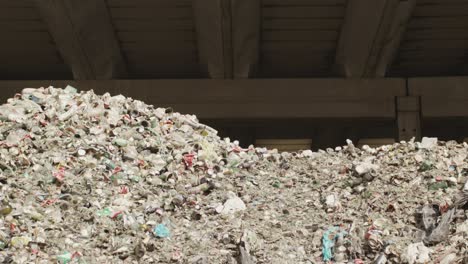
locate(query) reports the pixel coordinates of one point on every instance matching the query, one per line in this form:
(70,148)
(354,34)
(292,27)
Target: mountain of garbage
(88,178)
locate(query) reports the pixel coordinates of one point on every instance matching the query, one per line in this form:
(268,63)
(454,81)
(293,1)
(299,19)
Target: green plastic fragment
(36,216)
(121,142)
(118,176)
(135,178)
(425,166)
(367,194)
(438,185)
(104,212)
(64,258)
(5,210)
(204,133)
(109,164)
(20,242)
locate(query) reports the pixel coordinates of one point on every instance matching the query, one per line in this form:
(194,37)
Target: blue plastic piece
(328,241)
(162,231)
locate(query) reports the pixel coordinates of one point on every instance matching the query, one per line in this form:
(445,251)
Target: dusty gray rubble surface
(88,178)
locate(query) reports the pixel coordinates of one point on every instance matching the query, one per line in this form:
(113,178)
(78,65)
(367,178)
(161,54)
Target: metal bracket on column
(409,117)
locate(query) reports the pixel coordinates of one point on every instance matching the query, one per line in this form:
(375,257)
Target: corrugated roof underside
(157,38)
(28,51)
(436,40)
(299,37)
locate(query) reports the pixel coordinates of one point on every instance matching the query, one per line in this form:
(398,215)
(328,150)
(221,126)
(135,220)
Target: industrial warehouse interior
(234,131)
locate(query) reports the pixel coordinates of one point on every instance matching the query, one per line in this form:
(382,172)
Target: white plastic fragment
(332,201)
(418,253)
(307,153)
(366,167)
(428,143)
(449,259)
(231,206)
(462,228)
(251,241)
(418,158)
(70,89)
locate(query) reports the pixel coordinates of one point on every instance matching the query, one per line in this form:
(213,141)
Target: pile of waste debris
(88,178)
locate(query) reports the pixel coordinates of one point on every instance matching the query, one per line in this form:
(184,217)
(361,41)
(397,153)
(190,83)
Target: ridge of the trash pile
(88,178)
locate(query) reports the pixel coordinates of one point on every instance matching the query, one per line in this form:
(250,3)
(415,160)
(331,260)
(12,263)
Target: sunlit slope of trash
(88,178)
